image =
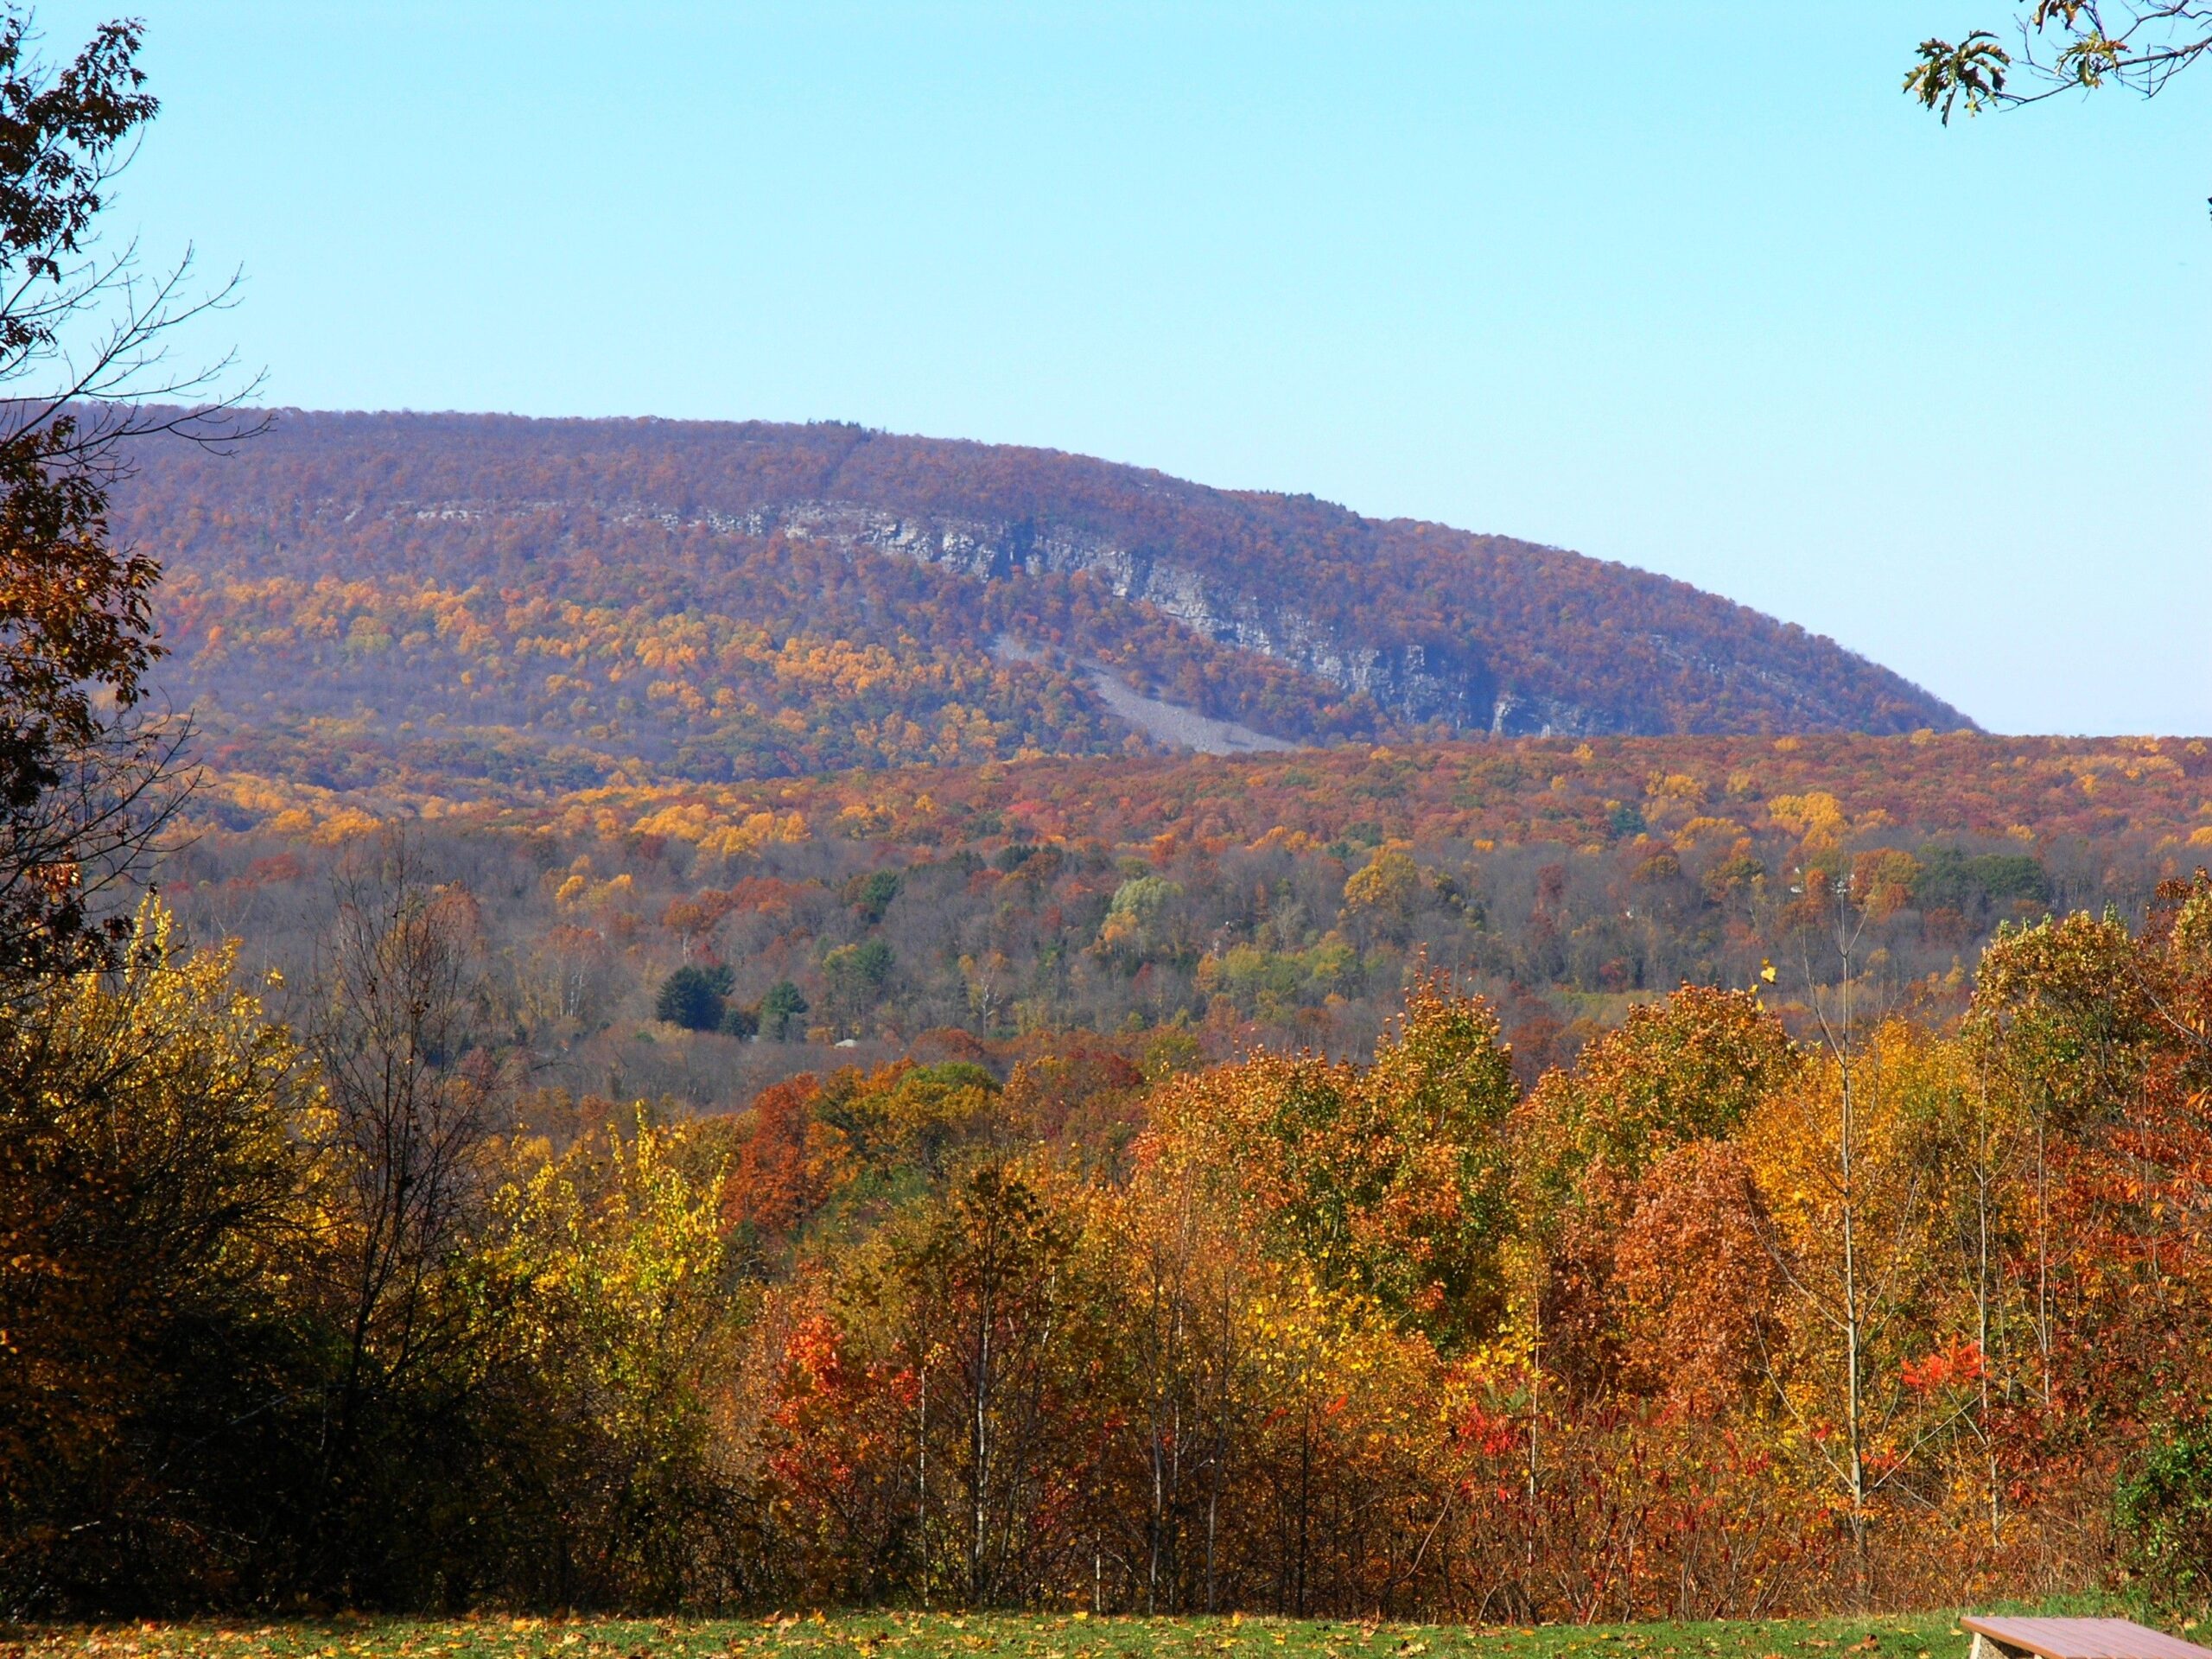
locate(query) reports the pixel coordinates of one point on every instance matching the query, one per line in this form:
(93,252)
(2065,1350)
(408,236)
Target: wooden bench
(2073,1639)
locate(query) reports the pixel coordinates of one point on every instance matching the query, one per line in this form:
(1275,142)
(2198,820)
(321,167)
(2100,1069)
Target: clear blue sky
(1690,286)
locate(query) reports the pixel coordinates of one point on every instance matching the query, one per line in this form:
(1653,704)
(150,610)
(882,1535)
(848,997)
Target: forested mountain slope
(566,601)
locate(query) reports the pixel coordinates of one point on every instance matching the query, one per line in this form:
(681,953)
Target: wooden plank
(2081,1638)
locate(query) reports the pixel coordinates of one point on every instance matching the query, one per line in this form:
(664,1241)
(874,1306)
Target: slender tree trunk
(1854,1339)
(2042,1259)
(979,1456)
(1304,1497)
(1152,1549)
(1219,1471)
(1981,1346)
(922,1490)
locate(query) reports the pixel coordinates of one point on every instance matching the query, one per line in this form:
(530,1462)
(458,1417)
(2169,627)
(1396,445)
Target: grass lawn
(938,1635)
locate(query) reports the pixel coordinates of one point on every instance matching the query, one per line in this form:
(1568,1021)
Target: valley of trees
(1279,900)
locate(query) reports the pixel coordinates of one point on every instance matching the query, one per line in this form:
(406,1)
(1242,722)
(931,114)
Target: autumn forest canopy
(680,1016)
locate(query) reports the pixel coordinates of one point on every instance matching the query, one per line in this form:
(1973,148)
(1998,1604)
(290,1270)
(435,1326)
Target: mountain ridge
(1296,618)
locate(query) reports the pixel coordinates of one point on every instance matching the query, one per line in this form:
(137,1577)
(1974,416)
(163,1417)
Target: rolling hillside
(472,600)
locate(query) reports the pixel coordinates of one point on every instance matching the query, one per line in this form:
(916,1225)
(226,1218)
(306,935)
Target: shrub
(2165,1510)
